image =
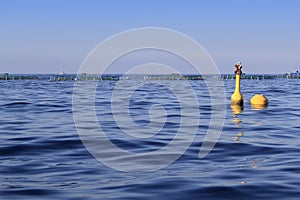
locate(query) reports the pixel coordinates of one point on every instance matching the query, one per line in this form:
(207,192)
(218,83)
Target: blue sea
(42,155)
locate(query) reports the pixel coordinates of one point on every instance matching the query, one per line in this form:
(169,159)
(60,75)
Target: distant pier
(7,76)
(117,77)
(254,76)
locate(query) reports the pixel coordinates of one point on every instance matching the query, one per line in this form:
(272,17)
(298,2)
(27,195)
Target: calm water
(42,156)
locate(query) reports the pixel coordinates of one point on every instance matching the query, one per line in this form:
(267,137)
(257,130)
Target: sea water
(43,157)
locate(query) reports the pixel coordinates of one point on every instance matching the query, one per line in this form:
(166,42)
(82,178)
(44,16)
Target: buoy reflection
(236,111)
(258,106)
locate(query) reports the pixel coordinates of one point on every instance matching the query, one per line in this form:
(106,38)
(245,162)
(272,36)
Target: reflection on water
(236,111)
(258,107)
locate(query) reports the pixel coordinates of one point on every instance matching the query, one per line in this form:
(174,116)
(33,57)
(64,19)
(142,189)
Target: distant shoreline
(55,73)
(156,77)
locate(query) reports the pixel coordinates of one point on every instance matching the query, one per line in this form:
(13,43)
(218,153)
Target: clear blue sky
(43,35)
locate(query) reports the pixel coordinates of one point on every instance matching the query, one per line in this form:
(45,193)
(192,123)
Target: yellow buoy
(237,97)
(259,101)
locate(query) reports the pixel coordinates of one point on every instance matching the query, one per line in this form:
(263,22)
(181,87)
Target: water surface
(42,156)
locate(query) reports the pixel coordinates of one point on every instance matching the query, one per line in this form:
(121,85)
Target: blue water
(42,156)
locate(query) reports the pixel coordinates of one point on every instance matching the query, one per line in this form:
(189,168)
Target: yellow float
(259,101)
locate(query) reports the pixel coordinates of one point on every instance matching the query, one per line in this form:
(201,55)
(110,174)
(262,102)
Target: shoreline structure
(117,77)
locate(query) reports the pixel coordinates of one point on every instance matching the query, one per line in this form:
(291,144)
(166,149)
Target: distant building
(6,76)
(293,74)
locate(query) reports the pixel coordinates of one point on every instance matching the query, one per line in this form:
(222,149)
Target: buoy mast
(237,97)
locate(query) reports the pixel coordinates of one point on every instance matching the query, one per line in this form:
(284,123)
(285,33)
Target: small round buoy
(259,100)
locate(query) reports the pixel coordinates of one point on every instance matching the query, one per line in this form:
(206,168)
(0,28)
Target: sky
(53,35)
